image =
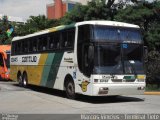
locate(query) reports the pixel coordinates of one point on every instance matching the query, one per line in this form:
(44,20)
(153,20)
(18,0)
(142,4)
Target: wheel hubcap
(24,81)
(70,89)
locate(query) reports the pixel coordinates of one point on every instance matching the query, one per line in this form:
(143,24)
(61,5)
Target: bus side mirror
(145,50)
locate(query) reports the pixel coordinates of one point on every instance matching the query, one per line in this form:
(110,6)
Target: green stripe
(54,69)
(47,68)
(65,27)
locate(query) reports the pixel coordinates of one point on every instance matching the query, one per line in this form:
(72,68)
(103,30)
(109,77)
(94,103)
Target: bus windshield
(108,59)
(117,50)
(103,33)
(117,59)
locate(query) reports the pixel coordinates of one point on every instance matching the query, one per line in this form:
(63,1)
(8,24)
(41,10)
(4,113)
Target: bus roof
(108,23)
(62,27)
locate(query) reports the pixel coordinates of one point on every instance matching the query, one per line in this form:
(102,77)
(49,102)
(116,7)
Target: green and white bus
(94,58)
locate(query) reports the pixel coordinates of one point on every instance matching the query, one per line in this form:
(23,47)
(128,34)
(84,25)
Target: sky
(23,8)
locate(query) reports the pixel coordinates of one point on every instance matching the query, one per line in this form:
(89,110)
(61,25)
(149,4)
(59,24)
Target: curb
(152,93)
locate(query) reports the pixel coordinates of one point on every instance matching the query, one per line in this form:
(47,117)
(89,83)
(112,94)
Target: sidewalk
(152,93)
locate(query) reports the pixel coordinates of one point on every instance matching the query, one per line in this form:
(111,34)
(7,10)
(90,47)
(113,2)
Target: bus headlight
(141,78)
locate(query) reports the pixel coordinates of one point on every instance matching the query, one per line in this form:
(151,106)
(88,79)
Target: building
(58,8)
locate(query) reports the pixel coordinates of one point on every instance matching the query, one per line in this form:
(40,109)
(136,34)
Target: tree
(145,15)
(95,10)
(5,34)
(34,24)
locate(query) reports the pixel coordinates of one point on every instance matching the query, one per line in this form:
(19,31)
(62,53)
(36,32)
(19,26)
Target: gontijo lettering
(29,59)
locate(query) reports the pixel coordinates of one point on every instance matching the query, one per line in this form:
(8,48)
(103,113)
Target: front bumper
(118,89)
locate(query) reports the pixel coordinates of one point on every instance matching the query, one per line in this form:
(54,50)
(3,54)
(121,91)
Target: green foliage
(135,14)
(95,10)
(147,17)
(153,35)
(4,26)
(152,87)
(153,66)
(34,24)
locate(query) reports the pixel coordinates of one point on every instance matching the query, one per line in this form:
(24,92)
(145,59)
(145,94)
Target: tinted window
(60,40)
(57,40)
(64,39)
(84,36)
(13,48)
(51,42)
(24,46)
(104,33)
(17,47)
(70,38)
(84,33)
(42,43)
(32,45)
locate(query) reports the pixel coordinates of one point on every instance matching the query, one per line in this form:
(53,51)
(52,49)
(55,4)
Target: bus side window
(44,44)
(17,47)
(40,44)
(30,45)
(34,43)
(50,41)
(34,48)
(83,38)
(13,48)
(24,47)
(64,41)
(57,40)
(70,38)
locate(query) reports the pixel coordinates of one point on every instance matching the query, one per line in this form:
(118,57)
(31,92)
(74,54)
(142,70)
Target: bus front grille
(123,80)
(117,80)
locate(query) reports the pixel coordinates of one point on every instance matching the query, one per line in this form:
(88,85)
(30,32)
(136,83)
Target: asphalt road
(37,100)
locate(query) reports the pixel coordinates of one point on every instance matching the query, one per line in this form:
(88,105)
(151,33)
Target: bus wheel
(70,89)
(25,81)
(19,79)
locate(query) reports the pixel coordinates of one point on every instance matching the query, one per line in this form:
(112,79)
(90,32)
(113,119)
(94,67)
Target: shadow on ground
(88,99)
(3,80)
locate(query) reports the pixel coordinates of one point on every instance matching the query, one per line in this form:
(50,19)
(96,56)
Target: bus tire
(70,89)
(19,79)
(25,80)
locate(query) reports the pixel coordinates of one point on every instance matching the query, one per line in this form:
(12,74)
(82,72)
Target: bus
(5,62)
(94,58)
